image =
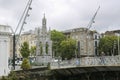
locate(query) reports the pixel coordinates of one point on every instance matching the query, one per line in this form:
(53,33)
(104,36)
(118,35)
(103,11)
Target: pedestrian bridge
(87,62)
(86,68)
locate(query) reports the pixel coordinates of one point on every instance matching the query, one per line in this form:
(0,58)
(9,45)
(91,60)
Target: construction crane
(92,20)
(22,22)
(88,28)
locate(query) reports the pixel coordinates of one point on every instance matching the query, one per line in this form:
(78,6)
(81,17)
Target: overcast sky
(63,14)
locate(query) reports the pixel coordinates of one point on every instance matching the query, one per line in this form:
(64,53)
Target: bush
(12,76)
(25,64)
(4,78)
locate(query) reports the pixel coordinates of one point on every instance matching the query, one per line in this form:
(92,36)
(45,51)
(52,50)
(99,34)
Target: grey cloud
(64,14)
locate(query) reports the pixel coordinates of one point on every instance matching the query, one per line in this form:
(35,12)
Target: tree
(3,78)
(108,45)
(46,48)
(41,48)
(57,37)
(24,50)
(68,48)
(33,50)
(25,64)
(13,76)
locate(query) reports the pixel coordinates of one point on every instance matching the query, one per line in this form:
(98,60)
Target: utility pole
(79,51)
(22,20)
(14,46)
(114,47)
(88,28)
(118,43)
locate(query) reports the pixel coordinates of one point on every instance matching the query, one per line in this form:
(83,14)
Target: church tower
(44,44)
(44,29)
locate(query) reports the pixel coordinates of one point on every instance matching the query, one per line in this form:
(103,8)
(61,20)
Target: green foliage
(47,48)
(24,76)
(37,64)
(61,46)
(25,51)
(107,44)
(41,49)
(33,50)
(12,76)
(25,64)
(4,78)
(57,37)
(17,76)
(68,48)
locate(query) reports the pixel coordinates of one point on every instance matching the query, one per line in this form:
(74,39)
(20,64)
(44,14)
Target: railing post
(88,76)
(117,76)
(103,75)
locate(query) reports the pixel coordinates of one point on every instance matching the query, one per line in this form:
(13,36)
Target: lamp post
(79,51)
(119,43)
(114,47)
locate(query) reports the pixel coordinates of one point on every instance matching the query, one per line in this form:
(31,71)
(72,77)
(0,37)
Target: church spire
(44,15)
(44,20)
(44,28)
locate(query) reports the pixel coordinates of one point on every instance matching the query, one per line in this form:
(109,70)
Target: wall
(4,54)
(4,50)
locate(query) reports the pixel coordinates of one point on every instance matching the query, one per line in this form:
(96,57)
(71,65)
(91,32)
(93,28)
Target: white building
(4,49)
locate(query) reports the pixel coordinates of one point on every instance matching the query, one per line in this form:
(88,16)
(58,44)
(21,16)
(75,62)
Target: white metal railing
(88,61)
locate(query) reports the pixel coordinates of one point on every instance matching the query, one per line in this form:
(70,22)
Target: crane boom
(92,20)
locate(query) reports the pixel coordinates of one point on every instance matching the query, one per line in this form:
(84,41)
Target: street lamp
(118,43)
(79,51)
(118,39)
(114,47)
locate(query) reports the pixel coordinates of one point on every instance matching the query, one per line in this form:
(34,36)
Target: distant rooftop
(75,30)
(4,28)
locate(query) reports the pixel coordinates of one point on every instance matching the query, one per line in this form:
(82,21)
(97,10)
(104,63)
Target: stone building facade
(29,37)
(88,40)
(111,33)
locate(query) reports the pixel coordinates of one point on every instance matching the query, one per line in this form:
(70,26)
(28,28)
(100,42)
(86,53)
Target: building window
(76,36)
(96,51)
(95,43)
(41,48)
(47,47)
(5,28)
(95,36)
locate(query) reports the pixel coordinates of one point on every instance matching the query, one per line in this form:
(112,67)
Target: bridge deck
(90,69)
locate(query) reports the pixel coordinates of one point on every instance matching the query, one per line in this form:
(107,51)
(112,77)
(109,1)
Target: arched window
(41,49)
(47,47)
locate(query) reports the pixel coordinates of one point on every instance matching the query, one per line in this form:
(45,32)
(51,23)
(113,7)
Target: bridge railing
(103,60)
(89,61)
